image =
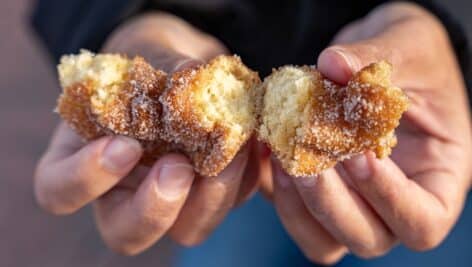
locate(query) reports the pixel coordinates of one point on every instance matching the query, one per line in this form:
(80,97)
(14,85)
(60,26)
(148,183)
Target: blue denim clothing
(253,236)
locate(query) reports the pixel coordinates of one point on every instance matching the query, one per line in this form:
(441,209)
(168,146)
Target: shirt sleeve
(67,26)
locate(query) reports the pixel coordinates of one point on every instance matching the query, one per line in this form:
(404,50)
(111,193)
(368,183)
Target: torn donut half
(211,110)
(206,112)
(311,123)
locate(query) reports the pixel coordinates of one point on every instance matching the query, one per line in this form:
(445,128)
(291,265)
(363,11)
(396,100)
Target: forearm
(158,33)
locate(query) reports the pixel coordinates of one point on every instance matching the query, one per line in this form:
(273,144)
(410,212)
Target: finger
(160,57)
(131,221)
(210,200)
(64,143)
(380,39)
(420,211)
(250,178)
(160,31)
(167,60)
(336,206)
(265,176)
(317,244)
(65,184)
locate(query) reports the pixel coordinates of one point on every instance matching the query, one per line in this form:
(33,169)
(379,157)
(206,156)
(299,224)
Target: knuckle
(326,256)
(80,184)
(49,204)
(427,235)
(152,220)
(188,241)
(123,249)
(377,246)
(121,243)
(388,193)
(43,201)
(188,237)
(370,253)
(425,241)
(329,258)
(53,208)
(432,148)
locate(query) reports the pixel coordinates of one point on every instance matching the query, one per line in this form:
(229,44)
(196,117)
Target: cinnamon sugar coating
(337,122)
(134,110)
(208,112)
(74,107)
(211,137)
(107,94)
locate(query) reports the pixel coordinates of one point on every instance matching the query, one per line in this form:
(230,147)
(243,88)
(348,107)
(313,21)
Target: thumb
(339,62)
(391,33)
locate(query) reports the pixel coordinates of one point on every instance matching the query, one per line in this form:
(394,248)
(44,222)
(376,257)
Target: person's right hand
(366,206)
(135,205)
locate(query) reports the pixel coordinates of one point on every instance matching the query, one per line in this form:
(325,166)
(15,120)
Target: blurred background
(29,237)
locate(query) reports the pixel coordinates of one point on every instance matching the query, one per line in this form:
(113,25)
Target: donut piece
(310,123)
(119,94)
(211,111)
(207,112)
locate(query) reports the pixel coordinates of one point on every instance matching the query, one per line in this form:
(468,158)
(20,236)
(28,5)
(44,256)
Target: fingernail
(120,152)
(358,167)
(351,61)
(174,180)
(235,168)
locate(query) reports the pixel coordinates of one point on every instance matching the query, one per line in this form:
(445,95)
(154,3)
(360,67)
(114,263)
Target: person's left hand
(367,205)
(135,206)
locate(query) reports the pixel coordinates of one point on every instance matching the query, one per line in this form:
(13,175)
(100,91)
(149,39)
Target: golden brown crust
(209,148)
(134,110)
(347,120)
(153,150)
(74,107)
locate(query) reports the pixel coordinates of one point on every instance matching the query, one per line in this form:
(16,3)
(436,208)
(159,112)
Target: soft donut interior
(288,91)
(226,96)
(106,74)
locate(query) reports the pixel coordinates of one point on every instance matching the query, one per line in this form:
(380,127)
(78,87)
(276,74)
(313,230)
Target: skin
(135,206)
(413,197)
(366,205)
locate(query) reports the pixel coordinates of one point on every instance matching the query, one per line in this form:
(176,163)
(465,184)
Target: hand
(367,205)
(135,205)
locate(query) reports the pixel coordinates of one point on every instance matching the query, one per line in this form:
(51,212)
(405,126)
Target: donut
(206,112)
(211,110)
(311,123)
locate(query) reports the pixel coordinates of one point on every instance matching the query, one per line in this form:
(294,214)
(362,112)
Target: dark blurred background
(28,89)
